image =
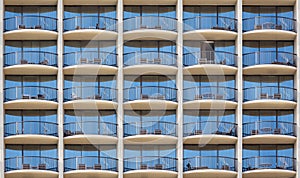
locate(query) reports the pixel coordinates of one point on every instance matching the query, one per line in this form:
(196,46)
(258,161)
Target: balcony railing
(269,162)
(30,22)
(210,162)
(31,163)
(90,57)
(91,163)
(269,57)
(30,92)
(209,127)
(90,22)
(150,127)
(210,22)
(150,22)
(209,57)
(90,128)
(31,127)
(150,162)
(209,93)
(269,127)
(91,93)
(269,22)
(30,57)
(270,92)
(150,92)
(150,57)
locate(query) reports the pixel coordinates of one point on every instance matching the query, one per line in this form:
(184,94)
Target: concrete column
(2,78)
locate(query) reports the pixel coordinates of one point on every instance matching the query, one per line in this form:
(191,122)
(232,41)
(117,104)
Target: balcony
(150,62)
(90,2)
(153,2)
(210,63)
(210,28)
(212,2)
(269,62)
(264,166)
(270,2)
(150,132)
(210,166)
(208,97)
(150,166)
(90,28)
(150,97)
(90,97)
(31,132)
(210,132)
(31,166)
(91,166)
(90,63)
(90,132)
(29,2)
(30,28)
(269,132)
(150,28)
(269,28)
(30,97)
(269,97)
(30,63)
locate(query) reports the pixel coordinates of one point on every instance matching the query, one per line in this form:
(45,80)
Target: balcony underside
(150,174)
(150,104)
(209,104)
(90,174)
(90,139)
(90,69)
(269,104)
(30,2)
(30,69)
(152,2)
(150,34)
(269,35)
(31,139)
(210,34)
(269,2)
(30,34)
(30,104)
(267,69)
(90,2)
(269,139)
(269,173)
(31,174)
(150,69)
(209,173)
(150,139)
(210,139)
(211,2)
(90,104)
(209,69)
(90,34)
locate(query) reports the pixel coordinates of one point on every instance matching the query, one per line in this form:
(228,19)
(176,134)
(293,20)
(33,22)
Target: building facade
(138,89)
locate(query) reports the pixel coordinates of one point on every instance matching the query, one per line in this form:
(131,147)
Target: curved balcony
(91,166)
(30,63)
(269,132)
(269,97)
(90,28)
(31,166)
(210,63)
(90,2)
(90,97)
(150,166)
(210,28)
(30,28)
(30,97)
(150,28)
(270,2)
(30,2)
(208,97)
(264,166)
(90,132)
(209,166)
(212,2)
(150,97)
(210,132)
(269,28)
(269,62)
(31,132)
(153,2)
(150,62)
(90,63)
(150,132)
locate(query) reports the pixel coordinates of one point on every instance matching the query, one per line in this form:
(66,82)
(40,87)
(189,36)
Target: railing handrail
(45,122)
(226,52)
(90,16)
(99,122)
(24,16)
(42,157)
(82,157)
(158,157)
(91,51)
(196,87)
(165,122)
(269,17)
(153,16)
(173,53)
(30,87)
(270,87)
(270,51)
(224,122)
(255,157)
(53,53)
(151,87)
(212,16)
(285,122)
(105,87)
(195,157)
